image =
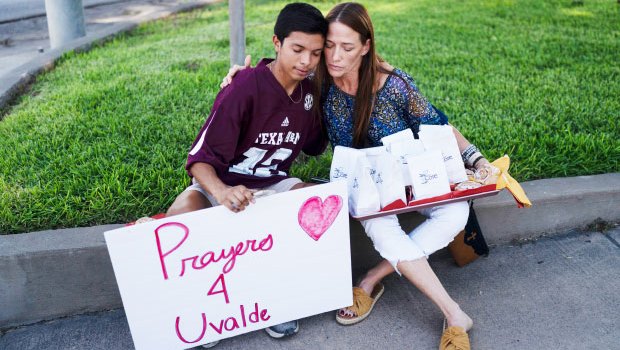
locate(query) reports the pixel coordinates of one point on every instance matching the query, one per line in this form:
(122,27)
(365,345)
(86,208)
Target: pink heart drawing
(316,216)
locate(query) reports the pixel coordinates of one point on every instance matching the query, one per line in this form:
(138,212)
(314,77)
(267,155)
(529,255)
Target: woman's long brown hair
(355,16)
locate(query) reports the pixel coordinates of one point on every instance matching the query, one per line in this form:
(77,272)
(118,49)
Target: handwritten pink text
(197,262)
(224,325)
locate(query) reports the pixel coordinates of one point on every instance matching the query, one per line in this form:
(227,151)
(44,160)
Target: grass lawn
(104,137)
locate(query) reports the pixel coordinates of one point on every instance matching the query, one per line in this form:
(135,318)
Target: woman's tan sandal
(454,338)
(362,305)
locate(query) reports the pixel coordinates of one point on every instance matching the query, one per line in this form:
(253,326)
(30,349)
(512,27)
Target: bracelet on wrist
(473,164)
(469,152)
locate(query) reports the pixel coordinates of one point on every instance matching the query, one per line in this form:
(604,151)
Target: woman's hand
(234,70)
(482,163)
(235,198)
(486,173)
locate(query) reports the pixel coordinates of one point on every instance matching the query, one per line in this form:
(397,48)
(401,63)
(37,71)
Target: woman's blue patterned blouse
(397,107)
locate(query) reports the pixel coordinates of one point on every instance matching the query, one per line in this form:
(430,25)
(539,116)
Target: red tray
(455,196)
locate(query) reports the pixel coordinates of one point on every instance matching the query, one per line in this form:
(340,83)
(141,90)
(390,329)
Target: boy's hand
(235,198)
(234,70)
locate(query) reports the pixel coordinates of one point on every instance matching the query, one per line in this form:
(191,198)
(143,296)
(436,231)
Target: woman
(363,100)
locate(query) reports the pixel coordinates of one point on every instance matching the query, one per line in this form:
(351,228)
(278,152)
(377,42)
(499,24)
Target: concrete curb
(15,82)
(50,274)
(558,205)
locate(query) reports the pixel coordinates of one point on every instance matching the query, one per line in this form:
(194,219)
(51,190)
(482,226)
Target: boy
(259,124)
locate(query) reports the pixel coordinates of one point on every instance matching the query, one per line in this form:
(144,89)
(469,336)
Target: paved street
(553,293)
(23,40)
(11,10)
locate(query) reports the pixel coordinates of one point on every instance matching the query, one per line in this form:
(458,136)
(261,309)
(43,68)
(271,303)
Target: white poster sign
(211,274)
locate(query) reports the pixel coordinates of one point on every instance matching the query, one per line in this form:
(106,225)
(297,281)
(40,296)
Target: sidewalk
(554,293)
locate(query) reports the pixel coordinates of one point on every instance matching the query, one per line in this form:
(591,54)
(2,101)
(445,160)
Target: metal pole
(237,31)
(65,21)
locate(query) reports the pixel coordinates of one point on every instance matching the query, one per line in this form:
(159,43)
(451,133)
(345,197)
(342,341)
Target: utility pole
(65,21)
(237,31)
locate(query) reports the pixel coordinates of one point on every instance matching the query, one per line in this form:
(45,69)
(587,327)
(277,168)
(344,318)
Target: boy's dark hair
(299,17)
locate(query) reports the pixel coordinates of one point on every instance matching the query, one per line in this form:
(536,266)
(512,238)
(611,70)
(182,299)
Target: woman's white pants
(442,224)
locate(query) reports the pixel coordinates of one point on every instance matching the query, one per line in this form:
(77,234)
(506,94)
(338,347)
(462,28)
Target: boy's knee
(301,185)
(187,202)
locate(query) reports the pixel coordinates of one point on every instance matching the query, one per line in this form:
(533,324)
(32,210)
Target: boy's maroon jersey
(255,131)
